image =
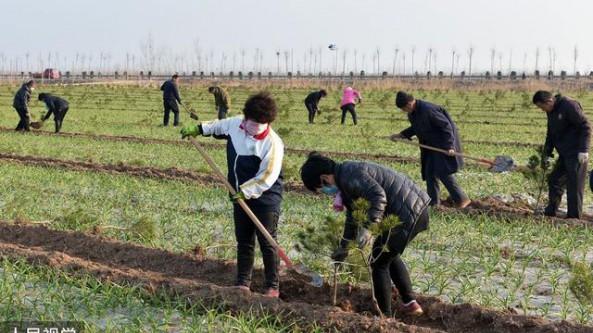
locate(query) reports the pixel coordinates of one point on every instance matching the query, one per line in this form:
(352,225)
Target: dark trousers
(171,106)
(312,108)
(568,175)
(245,232)
(433,187)
(348,108)
(24,121)
(222,112)
(388,266)
(59,118)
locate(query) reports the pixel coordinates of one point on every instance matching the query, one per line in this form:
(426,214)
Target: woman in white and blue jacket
(254,160)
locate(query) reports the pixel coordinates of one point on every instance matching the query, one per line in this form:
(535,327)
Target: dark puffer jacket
(54,105)
(22,98)
(569,130)
(388,192)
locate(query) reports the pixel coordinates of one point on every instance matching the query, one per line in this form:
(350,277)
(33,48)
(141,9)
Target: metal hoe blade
(502,164)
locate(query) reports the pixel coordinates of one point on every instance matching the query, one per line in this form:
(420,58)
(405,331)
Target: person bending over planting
(222,101)
(312,103)
(254,160)
(348,103)
(56,105)
(433,127)
(389,193)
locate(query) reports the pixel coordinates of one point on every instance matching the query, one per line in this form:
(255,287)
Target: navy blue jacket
(568,129)
(170,91)
(433,127)
(387,191)
(54,105)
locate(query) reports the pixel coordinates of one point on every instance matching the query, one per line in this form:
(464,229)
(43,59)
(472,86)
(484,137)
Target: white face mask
(254,128)
(32,88)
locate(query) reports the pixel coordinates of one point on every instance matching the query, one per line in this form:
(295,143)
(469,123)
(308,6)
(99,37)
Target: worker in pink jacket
(348,103)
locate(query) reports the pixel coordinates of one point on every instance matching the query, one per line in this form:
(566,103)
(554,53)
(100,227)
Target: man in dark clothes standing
(21,104)
(433,127)
(570,133)
(312,103)
(170,98)
(222,101)
(56,105)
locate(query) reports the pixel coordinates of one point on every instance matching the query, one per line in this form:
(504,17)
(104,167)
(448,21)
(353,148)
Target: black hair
(402,99)
(323,92)
(260,108)
(211,89)
(175,76)
(31,83)
(42,96)
(541,96)
(315,166)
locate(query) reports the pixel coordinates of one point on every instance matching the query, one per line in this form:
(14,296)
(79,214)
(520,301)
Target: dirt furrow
(209,281)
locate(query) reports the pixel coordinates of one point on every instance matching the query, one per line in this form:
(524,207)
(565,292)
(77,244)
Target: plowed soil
(210,282)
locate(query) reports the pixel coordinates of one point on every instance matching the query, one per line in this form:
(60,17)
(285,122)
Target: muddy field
(195,278)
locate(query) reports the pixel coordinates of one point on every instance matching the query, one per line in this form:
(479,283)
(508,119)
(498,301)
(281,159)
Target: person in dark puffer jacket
(56,106)
(21,104)
(569,132)
(389,193)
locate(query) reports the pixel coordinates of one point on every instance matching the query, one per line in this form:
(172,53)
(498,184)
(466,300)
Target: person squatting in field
(56,106)
(254,160)
(433,127)
(348,103)
(171,96)
(222,101)
(312,103)
(21,104)
(569,132)
(389,193)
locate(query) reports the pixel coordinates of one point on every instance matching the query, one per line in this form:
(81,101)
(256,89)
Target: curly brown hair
(260,108)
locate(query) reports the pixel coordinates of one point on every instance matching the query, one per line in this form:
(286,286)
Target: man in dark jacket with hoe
(433,127)
(312,103)
(21,104)
(56,106)
(570,133)
(170,98)
(222,101)
(389,193)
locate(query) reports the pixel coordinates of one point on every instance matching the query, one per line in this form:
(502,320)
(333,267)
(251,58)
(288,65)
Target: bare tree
(355,55)
(429,58)
(510,61)
(277,63)
(378,61)
(413,52)
(470,54)
(500,55)
(492,59)
(344,56)
(286,56)
(575,55)
(395,60)
(536,58)
(550,55)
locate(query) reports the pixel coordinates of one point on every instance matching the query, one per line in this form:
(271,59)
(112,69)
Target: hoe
(500,163)
(316,279)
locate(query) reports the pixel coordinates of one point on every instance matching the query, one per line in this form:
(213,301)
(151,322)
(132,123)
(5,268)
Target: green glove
(190,130)
(237,196)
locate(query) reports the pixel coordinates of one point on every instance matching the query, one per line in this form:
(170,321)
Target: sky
(281,35)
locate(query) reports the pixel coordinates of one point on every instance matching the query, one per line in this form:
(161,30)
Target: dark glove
(364,238)
(237,196)
(340,254)
(545,163)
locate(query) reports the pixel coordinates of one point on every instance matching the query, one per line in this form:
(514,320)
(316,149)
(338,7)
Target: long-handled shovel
(316,279)
(192,112)
(500,163)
